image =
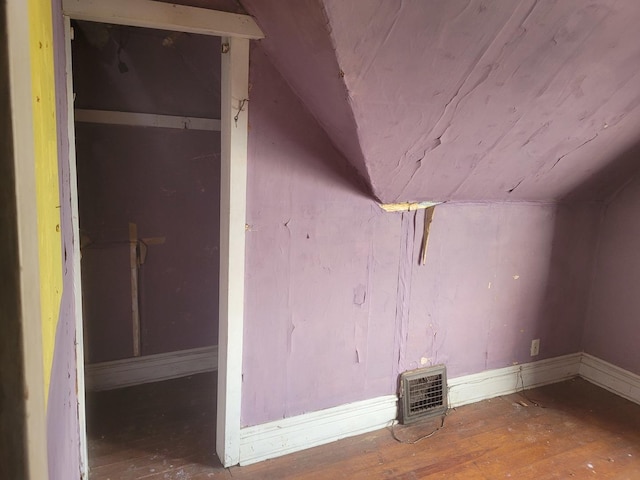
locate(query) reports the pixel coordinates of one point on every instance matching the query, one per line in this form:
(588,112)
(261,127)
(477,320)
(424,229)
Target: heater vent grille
(424,393)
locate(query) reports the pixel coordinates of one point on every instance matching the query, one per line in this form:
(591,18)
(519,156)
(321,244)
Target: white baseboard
(504,381)
(297,433)
(289,435)
(150,368)
(615,379)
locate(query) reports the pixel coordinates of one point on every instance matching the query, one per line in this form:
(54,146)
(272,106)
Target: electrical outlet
(535,347)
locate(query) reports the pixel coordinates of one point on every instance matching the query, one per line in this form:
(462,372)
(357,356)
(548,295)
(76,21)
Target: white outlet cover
(535,347)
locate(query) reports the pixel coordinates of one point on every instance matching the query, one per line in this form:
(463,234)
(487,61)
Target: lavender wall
(62,409)
(336,303)
(321,266)
(496,277)
(320,81)
(612,331)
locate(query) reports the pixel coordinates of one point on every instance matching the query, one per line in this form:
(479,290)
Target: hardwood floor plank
(165,431)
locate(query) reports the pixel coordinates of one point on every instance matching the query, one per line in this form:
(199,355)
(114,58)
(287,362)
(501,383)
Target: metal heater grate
(423,393)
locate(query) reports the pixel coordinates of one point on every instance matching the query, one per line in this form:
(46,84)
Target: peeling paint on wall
(403,301)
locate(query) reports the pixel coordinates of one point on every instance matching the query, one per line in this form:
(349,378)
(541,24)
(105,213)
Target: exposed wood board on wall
(151,368)
(407,206)
(428,218)
(106,117)
(165,16)
(135,311)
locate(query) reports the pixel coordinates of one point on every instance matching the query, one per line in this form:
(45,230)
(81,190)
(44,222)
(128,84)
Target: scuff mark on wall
(539,131)
(290,325)
(290,328)
(362,324)
(359,295)
(511,190)
(572,151)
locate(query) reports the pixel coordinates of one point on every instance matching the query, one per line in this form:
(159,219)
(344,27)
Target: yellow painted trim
(46,169)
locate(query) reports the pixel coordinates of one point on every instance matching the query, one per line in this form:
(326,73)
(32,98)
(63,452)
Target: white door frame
(236,31)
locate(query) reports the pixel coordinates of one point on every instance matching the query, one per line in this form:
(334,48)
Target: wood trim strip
(150,368)
(133,119)
(164,16)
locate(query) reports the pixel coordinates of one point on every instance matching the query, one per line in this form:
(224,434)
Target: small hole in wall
(307,236)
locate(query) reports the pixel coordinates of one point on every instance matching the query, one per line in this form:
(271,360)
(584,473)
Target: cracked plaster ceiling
(469,100)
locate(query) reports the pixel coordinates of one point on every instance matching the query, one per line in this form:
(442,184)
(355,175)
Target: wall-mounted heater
(423,393)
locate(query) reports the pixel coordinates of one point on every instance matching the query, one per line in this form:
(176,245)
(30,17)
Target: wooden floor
(165,431)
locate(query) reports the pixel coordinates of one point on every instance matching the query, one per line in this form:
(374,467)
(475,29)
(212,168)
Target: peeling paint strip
(428,218)
(407,206)
(403,295)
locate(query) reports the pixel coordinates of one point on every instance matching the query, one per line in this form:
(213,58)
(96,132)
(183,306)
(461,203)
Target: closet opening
(147,107)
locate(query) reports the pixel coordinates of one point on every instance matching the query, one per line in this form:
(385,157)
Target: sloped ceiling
(468,100)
